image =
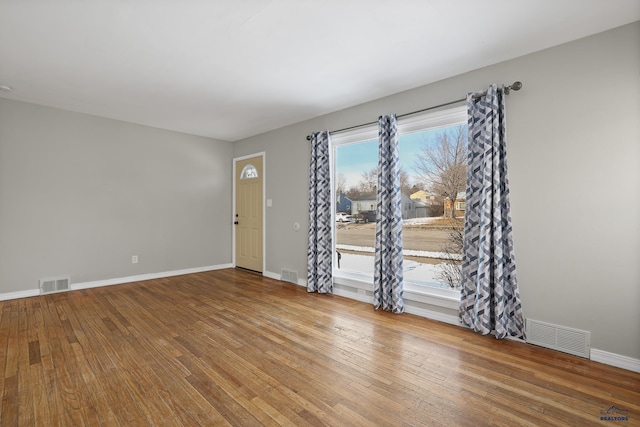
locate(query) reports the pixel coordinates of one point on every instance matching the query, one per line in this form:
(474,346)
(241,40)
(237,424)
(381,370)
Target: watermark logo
(613,413)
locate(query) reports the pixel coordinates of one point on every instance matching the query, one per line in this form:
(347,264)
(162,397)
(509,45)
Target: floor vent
(289,276)
(561,338)
(54,284)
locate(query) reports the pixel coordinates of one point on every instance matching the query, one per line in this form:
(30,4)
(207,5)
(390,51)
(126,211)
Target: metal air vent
(54,284)
(289,276)
(561,338)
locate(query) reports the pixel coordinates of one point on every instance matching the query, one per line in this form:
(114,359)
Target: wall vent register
(54,284)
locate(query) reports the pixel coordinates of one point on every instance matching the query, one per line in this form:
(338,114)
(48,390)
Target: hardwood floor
(233,348)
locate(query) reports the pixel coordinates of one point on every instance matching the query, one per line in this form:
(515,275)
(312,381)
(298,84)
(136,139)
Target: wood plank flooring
(230,347)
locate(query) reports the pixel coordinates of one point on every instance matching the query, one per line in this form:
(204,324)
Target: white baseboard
(617,360)
(433,315)
(278,276)
(271,275)
(336,289)
(117,281)
(352,295)
(417,311)
(19,294)
(150,276)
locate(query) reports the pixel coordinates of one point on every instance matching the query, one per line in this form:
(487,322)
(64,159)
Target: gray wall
(574,159)
(80,195)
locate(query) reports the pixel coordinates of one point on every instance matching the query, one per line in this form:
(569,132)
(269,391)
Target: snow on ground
(405,252)
(413,271)
(421,220)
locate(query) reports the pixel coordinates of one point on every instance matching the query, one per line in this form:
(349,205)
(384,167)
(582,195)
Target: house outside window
(459,205)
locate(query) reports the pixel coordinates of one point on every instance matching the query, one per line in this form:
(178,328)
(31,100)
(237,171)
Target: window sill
(438,297)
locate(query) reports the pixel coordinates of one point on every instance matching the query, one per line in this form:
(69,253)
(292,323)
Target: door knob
(235,222)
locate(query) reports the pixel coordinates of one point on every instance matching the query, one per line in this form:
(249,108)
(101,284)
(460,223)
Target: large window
(433,176)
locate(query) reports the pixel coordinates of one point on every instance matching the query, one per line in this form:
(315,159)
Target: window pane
(433,167)
(356,180)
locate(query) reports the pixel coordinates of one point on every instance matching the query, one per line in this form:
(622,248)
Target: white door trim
(233,208)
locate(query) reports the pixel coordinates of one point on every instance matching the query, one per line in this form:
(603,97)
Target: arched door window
(249,172)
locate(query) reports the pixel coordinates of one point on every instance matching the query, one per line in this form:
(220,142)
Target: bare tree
(341,183)
(450,269)
(442,163)
(369,181)
(353,193)
(405,186)
(417,187)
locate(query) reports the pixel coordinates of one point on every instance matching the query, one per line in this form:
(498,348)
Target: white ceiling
(230,69)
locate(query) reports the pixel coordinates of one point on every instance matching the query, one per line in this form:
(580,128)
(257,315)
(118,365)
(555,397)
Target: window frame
(362,283)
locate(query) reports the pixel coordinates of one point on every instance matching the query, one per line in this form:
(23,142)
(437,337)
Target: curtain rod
(515,86)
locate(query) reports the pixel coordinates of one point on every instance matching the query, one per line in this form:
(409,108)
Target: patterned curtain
(319,252)
(489,298)
(388,278)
